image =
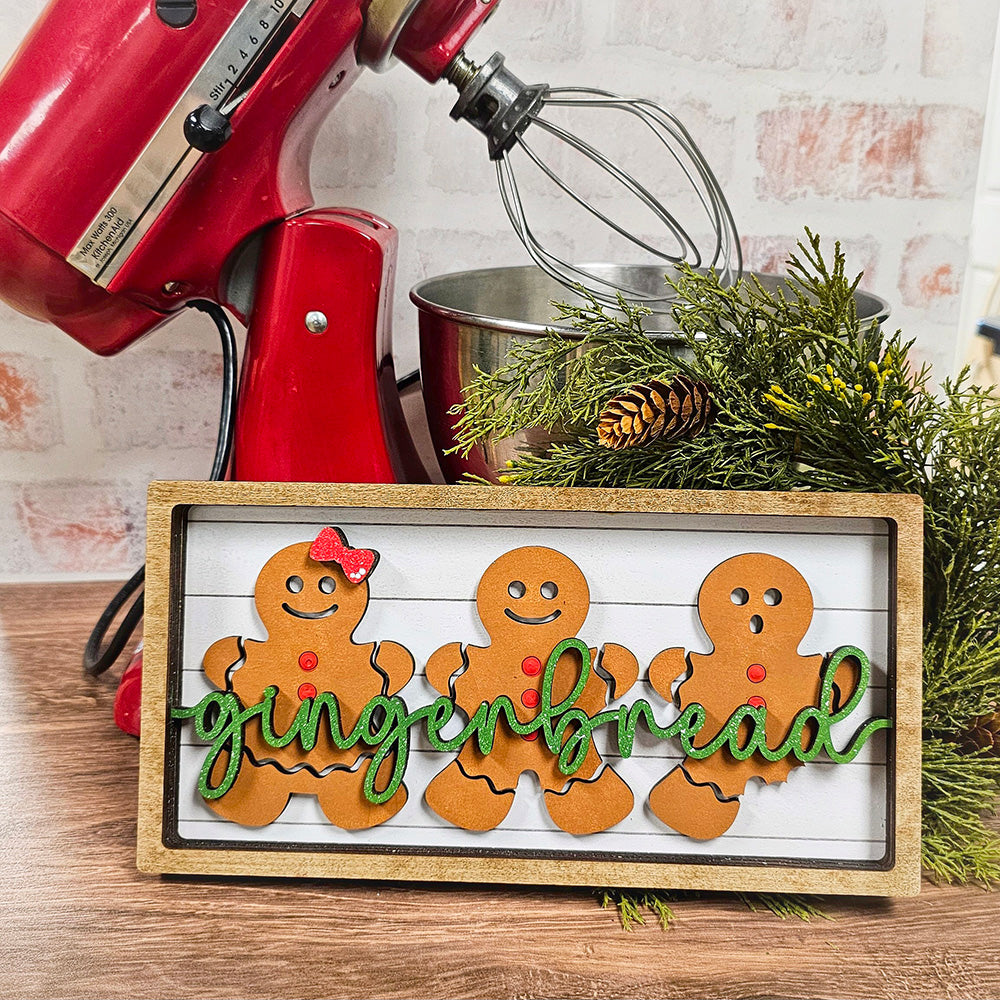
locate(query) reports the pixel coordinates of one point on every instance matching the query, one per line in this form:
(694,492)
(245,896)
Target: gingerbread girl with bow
(311,597)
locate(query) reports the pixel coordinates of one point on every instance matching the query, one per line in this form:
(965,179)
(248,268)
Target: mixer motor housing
(149,152)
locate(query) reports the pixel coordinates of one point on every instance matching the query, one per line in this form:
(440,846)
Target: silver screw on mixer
(316,322)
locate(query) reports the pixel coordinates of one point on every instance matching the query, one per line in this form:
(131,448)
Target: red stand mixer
(155,154)
(158,152)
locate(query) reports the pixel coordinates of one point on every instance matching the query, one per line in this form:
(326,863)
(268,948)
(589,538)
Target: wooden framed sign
(590,687)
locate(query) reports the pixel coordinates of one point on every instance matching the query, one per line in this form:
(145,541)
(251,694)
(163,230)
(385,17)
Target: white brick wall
(859,118)
(984,241)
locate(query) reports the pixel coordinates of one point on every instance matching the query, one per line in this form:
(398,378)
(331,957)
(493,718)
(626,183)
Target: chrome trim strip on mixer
(168,159)
(384,23)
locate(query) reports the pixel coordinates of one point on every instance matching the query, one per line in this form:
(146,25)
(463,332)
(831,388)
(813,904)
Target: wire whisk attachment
(512,115)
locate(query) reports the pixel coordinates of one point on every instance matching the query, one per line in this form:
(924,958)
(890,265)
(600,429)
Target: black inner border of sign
(171,771)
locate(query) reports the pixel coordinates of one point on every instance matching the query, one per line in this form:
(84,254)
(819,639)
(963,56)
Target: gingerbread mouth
(311,615)
(531,621)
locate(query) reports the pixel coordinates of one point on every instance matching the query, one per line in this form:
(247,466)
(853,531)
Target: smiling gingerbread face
(295,591)
(533,591)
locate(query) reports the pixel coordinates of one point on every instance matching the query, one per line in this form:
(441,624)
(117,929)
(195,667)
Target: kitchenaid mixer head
(504,109)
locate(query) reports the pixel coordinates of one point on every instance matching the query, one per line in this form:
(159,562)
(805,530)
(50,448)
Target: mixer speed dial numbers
(256,35)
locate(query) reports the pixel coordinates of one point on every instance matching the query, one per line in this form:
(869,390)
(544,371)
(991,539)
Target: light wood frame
(167,507)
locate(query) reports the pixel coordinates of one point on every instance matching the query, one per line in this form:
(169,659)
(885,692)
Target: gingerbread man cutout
(756,609)
(529,600)
(311,597)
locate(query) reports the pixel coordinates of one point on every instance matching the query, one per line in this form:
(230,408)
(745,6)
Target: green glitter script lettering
(385,726)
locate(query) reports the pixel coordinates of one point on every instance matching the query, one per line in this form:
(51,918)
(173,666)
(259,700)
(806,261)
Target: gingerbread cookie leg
(693,810)
(341,797)
(471,803)
(258,796)
(591,806)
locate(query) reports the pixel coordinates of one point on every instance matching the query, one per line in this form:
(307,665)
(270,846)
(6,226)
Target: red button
(530,737)
(757,701)
(532,666)
(530,698)
(756,673)
(308,661)
(307,691)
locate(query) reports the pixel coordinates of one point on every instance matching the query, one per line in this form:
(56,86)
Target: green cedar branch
(809,398)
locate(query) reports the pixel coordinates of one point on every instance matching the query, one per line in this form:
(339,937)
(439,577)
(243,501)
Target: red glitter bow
(331,546)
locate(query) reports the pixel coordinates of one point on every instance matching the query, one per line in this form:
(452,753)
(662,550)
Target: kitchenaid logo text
(107,235)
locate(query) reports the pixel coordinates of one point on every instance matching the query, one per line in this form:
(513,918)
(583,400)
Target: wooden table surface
(77,919)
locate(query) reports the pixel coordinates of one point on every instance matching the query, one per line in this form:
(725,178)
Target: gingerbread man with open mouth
(756,610)
(529,600)
(311,597)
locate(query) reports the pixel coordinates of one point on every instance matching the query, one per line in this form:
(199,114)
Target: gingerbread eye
(328,585)
(739,596)
(772,597)
(550,591)
(294,585)
(517,590)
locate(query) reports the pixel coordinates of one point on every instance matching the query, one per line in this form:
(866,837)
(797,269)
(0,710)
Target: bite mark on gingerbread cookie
(756,610)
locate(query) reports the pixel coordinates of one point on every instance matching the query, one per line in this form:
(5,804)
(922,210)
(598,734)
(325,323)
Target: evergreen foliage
(632,906)
(808,398)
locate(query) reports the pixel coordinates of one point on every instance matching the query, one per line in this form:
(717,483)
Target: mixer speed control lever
(207,130)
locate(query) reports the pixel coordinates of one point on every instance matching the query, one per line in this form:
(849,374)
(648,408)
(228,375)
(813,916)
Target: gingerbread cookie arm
(622,665)
(396,662)
(443,664)
(665,669)
(220,657)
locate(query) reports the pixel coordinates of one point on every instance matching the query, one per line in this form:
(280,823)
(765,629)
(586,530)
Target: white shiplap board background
(644,573)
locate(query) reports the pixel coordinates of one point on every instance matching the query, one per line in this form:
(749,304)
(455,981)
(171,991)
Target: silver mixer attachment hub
(504,108)
(495,101)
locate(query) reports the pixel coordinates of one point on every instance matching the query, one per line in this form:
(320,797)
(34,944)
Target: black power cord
(95,659)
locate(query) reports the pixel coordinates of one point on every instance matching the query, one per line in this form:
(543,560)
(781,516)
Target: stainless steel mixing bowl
(471,319)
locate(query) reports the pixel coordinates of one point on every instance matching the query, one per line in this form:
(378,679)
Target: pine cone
(655,411)
(983,734)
